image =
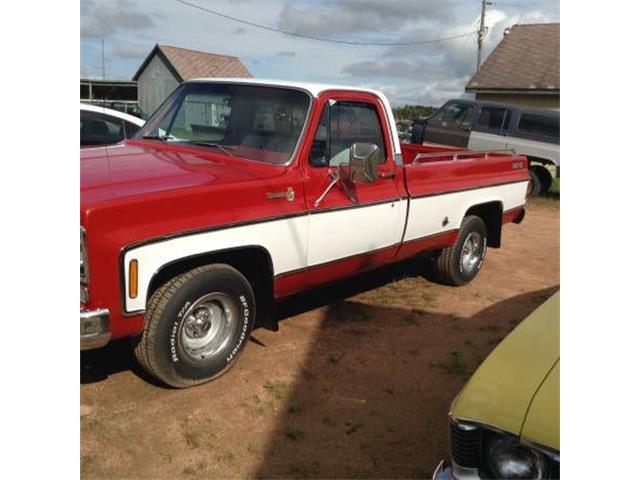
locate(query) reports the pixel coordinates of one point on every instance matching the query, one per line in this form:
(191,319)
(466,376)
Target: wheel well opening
(491,214)
(252,262)
(540,161)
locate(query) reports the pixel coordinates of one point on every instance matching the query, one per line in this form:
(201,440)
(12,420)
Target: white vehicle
(104,126)
(483,126)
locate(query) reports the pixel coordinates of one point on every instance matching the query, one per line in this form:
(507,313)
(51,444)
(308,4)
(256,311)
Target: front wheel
(196,325)
(460,263)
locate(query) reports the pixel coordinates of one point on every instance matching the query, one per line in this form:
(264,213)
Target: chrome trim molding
(84,294)
(95,328)
(464,473)
(84,275)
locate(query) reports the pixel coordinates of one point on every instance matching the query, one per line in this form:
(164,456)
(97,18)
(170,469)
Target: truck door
(352,227)
(451,124)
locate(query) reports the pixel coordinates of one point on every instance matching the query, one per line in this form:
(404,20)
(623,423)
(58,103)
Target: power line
(324,39)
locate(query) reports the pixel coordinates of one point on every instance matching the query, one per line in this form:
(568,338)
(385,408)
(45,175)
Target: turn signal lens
(133,278)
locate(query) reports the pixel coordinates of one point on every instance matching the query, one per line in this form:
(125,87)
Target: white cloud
(427,74)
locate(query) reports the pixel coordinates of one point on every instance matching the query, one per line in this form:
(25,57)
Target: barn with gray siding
(166,67)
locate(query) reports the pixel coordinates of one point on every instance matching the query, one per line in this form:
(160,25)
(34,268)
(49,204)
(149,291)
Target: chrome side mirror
(364,159)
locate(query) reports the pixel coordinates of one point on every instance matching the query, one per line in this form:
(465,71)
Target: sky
(424,74)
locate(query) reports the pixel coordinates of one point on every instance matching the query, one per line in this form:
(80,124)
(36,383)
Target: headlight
(507,458)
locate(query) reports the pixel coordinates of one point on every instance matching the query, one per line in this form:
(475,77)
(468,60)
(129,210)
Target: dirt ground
(357,382)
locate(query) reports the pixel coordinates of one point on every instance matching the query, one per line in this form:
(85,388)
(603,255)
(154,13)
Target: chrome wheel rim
(208,326)
(471,254)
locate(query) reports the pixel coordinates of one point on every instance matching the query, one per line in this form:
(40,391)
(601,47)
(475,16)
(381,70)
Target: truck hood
(517,374)
(137,168)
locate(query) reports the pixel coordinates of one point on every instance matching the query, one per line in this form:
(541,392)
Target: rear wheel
(535,184)
(196,325)
(545,177)
(460,263)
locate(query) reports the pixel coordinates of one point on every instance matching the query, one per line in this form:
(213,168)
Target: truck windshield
(255,122)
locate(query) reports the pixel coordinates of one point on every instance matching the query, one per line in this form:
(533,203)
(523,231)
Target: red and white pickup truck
(240,192)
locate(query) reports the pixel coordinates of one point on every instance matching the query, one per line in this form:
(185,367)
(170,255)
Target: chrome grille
(465,444)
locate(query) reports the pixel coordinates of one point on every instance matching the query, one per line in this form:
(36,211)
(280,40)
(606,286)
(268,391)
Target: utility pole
(481,32)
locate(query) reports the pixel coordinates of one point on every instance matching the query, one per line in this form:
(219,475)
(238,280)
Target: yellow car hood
(520,375)
(542,424)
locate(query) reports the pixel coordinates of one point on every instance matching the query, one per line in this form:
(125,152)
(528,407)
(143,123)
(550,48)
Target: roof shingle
(527,59)
(190,64)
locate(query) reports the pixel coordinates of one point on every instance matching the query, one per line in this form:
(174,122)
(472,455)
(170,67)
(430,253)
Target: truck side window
(342,124)
(491,118)
(539,125)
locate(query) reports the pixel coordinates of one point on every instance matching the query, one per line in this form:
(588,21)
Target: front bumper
(445,471)
(95,329)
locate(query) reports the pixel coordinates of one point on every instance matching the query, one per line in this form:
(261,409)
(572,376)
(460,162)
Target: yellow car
(505,422)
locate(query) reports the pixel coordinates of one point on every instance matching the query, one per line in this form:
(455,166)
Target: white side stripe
(308,240)
(285,240)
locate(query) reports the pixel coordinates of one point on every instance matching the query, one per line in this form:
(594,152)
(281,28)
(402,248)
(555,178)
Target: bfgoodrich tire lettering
(197,324)
(460,263)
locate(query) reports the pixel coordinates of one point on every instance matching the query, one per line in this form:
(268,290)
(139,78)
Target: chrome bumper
(95,330)
(442,472)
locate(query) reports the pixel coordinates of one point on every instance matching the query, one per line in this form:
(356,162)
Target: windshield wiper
(224,148)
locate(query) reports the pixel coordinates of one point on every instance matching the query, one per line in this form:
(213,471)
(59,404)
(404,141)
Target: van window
(539,125)
(456,113)
(491,118)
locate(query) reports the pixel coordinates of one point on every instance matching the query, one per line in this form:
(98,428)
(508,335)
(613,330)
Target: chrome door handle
(289,194)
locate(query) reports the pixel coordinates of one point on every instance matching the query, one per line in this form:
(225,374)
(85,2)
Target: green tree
(412,112)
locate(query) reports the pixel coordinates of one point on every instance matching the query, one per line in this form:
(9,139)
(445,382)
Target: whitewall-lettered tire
(196,325)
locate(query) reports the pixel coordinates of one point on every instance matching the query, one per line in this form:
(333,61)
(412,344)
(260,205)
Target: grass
(354,428)
(253,448)
(294,408)
(259,406)
(280,390)
(412,319)
(304,470)
(350,312)
(335,357)
(554,189)
(200,434)
(293,434)
(489,328)
(457,364)
(328,422)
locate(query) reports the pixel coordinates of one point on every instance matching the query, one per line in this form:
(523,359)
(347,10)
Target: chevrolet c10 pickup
(238,193)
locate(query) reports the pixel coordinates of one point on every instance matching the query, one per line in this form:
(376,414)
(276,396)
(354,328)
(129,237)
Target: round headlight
(507,458)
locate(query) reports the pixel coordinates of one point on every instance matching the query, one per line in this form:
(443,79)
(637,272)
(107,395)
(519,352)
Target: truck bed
(437,169)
